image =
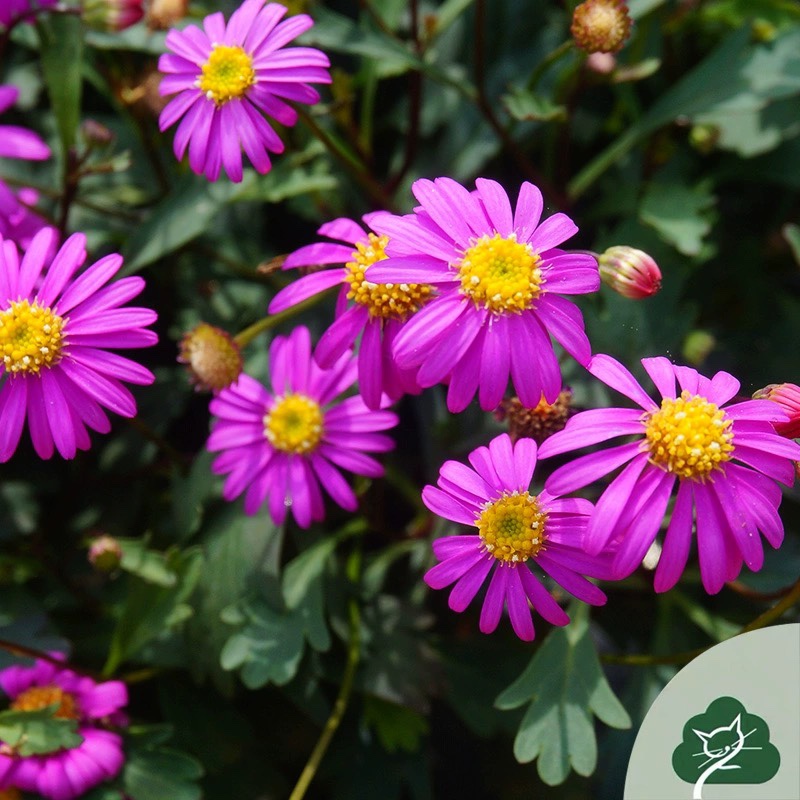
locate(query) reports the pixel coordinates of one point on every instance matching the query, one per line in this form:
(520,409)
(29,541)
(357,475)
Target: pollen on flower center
(294,424)
(31,337)
(512,528)
(386,300)
(500,273)
(689,436)
(227,74)
(38,697)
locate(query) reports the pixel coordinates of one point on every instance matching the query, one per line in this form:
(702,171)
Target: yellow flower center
(294,424)
(227,74)
(512,528)
(500,273)
(689,436)
(397,300)
(30,337)
(38,697)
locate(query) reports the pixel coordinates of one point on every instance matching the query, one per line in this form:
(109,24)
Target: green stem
(243,338)
(342,699)
(791,598)
(348,160)
(547,62)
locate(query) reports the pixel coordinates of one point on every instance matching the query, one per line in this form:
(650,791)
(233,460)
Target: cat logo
(725,744)
(725,727)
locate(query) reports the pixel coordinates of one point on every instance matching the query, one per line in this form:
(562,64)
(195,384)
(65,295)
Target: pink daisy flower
(725,460)
(65,774)
(11,9)
(499,275)
(377,310)
(280,446)
(54,328)
(516,530)
(227,77)
(17,221)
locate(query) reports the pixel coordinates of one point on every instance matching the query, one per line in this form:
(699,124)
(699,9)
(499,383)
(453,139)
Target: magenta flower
(11,9)
(515,530)
(65,774)
(54,328)
(499,276)
(227,77)
(725,459)
(378,310)
(282,445)
(17,221)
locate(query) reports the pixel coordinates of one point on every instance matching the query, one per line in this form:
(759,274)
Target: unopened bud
(601,26)
(163,14)
(105,553)
(630,272)
(697,347)
(536,423)
(112,15)
(212,356)
(601,63)
(787,396)
(704,138)
(95,134)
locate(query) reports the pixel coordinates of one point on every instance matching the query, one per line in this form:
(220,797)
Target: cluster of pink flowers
(97,710)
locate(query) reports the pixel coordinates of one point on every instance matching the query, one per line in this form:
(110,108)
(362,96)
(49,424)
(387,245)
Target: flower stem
(244,337)
(547,61)
(340,706)
(791,598)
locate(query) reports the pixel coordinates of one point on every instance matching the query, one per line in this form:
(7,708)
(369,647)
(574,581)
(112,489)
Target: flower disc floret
(386,300)
(227,74)
(294,424)
(512,528)
(501,274)
(39,697)
(30,337)
(689,436)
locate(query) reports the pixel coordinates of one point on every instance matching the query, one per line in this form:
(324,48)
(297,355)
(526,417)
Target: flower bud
(105,553)
(601,26)
(630,272)
(536,423)
(112,15)
(213,357)
(163,14)
(787,396)
(95,134)
(601,63)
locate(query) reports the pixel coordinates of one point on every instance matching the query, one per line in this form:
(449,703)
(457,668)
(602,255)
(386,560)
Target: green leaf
(306,568)
(181,216)
(190,494)
(61,37)
(270,644)
(398,727)
(149,565)
(718,628)
(523,105)
(162,774)
(38,732)
(151,610)
(565,685)
(680,214)
(792,235)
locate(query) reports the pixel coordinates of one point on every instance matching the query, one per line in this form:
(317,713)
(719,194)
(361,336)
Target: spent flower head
(601,26)
(212,356)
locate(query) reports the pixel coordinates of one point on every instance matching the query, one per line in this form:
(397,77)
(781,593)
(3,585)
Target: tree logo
(725,744)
